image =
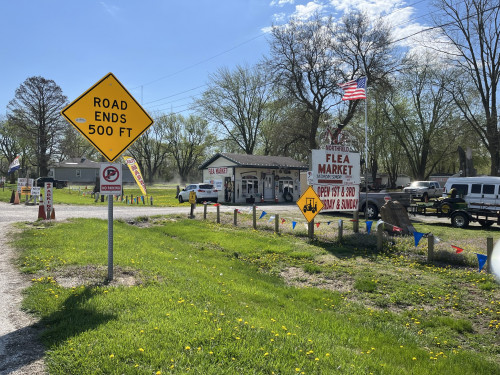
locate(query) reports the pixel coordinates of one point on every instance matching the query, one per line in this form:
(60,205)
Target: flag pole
(366,150)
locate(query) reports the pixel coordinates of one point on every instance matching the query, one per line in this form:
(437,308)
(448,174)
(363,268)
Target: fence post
(254,217)
(355,221)
(277,224)
(218,214)
(205,211)
(310,229)
(235,221)
(430,247)
(489,253)
(380,236)
(341,229)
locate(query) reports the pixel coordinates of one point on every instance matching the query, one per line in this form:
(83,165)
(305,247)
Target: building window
(78,173)
(249,186)
(286,183)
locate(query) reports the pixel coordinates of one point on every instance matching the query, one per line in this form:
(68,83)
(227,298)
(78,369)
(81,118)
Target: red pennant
(216,204)
(283,221)
(317,225)
(397,229)
(354,220)
(458,249)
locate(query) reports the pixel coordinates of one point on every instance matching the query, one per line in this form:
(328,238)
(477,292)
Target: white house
(254,178)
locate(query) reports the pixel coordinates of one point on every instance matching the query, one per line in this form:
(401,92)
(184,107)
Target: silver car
(204,192)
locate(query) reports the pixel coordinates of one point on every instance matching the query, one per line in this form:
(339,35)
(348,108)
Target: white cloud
(280,3)
(279,17)
(112,10)
(304,12)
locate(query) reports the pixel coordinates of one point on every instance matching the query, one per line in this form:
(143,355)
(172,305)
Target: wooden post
(380,236)
(191,213)
(277,224)
(310,229)
(489,253)
(218,214)
(430,247)
(254,217)
(205,211)
(355,221)
(341,229)
(235,217)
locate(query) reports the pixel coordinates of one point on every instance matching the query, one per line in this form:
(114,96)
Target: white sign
(20,183)
(35,190)
(111,178)
(221,170)
(48,201)
(336,177)
(337,166)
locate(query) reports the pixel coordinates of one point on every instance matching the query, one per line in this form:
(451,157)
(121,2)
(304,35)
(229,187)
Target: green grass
(212,299)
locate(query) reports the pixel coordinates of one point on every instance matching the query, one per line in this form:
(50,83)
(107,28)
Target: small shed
(82,171)
(244,178)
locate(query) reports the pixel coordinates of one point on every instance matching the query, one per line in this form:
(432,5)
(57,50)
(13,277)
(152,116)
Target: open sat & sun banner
(336,177)
(136,172)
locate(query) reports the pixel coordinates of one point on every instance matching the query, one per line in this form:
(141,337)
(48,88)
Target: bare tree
(150,150)
(420,116)
(35,110)
(235,101)
(472,32)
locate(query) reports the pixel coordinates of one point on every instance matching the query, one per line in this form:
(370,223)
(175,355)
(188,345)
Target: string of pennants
(416,235)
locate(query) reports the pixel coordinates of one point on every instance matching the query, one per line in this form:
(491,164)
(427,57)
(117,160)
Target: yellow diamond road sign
(108,116)
(310,204)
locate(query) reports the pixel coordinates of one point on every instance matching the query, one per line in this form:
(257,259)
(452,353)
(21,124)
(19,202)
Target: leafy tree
(472,43)
(35,111)
(188,140)
(235,101)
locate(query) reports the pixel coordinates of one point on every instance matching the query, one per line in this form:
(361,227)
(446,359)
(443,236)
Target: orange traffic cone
(16,198)
(41,212)
(53,214)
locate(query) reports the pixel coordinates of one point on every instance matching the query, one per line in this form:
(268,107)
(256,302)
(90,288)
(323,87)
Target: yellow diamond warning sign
(108,116)
(310,204)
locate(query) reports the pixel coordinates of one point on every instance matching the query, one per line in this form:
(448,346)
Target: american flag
(354,89)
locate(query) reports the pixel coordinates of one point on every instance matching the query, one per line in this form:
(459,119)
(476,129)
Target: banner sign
(221,170)
(336,175)
(136,172)
(48,201)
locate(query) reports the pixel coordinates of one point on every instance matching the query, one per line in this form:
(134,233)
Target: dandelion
(141,350)
(187,348)
(111,356)
(158,372)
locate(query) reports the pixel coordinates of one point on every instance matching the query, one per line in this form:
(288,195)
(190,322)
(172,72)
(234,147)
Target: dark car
(58,184)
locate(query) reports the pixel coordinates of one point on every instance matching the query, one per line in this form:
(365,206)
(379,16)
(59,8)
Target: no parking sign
(111,178)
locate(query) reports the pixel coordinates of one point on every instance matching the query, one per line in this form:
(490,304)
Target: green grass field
(197,297)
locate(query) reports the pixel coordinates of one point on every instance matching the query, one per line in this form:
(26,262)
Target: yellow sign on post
(192,197)
(108,116)
(310,204)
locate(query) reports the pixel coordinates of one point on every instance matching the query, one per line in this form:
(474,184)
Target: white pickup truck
(424,190)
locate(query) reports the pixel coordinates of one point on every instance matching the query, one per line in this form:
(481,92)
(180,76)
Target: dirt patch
(92,275)
(297,277)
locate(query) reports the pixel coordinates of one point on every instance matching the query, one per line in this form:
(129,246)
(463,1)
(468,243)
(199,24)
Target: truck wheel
(460,220)
(425,197)
(371,211)
(180,199)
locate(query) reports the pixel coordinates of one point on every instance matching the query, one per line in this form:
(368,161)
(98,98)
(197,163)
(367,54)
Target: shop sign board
(336,177)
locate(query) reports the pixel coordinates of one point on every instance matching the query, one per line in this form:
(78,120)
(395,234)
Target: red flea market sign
(111,178)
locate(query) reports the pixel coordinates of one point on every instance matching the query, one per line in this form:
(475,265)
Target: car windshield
(419,184)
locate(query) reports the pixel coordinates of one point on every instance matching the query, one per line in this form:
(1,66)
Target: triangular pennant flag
(481,258)
(317,225)
(457,249)
(418,236)
(328,222)
(354,220)
(283,221)
(294,223)
(369,226)
(216,204)
(397,229)
(271,218)
(437,240)
(264,213)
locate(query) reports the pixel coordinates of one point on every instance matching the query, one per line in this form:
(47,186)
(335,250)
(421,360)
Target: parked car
(204,192)
(58,184)
(424,190)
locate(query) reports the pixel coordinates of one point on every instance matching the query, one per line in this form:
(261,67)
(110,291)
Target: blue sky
(162,51)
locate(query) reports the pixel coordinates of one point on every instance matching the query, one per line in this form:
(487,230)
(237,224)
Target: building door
(269,187)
